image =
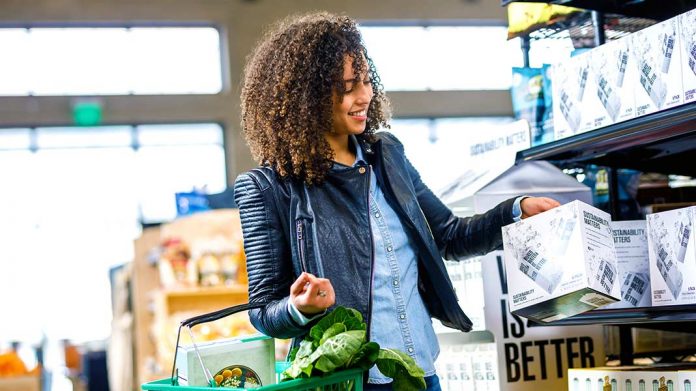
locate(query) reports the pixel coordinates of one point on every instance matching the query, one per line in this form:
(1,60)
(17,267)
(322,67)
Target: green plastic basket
(347,380)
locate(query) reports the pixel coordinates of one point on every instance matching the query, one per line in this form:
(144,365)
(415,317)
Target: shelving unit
(662,142)
(651,9)
(200,299)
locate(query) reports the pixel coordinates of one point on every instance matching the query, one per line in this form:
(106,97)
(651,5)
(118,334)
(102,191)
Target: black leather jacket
(289,227)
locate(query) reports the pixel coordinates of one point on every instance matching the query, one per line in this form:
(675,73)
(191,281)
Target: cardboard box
(672,254)
(561,263)
(610,64)
(687,34)
(569,81)
(657,56)
(599,378)
(650,379)
(631,245)
(249,360)
(687,380)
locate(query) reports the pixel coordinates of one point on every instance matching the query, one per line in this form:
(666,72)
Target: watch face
(237,376)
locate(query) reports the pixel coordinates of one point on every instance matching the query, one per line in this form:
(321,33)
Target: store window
(411,58)
(110,61)
(71,205)
(438,147)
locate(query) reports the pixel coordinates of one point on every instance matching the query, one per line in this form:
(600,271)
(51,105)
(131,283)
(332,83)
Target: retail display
(687,29)
(468,367)
(561,262)
(659,67)
(672,256)
(631,244)
(247,362)
(610,64)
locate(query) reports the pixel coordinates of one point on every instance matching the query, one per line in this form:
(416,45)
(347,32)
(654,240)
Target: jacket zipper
(372,252)
(301,245)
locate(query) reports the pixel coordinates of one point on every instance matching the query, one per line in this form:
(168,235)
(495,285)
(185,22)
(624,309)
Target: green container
(347,380)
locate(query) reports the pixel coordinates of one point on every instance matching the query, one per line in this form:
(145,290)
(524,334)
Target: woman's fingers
(311,294)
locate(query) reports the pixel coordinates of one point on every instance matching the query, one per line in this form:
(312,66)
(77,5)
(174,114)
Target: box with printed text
(561,263)
(609,64)
(631,244)
(569,84)
(687,34)
(672,254)
(656,55)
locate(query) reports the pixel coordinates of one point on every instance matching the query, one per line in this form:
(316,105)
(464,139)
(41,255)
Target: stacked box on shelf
(672,252)
(610,65)
(657,58)
(631,244)
(569,83)
(687,34)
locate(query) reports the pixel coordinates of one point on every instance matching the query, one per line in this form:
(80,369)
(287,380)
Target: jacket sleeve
(268,258)
(460,237)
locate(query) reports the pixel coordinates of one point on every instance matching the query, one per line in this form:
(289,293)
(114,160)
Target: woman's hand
(535,205)
(312,295)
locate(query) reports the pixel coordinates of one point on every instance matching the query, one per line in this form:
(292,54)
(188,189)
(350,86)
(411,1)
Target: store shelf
(651,9)
(674,318)
(456,337)
(662,142)
(201,299)
(579,27)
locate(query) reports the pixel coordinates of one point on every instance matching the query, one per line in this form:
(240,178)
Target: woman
(337,214)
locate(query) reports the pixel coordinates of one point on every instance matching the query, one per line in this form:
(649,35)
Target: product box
(609,64)
(569,83)
(672,252)
(657,55)
(687,379)
(244,362)
(650,379)
(599,378)
(561,262)
(687,34)
(631,244)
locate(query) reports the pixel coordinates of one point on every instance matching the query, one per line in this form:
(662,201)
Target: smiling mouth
(361,113)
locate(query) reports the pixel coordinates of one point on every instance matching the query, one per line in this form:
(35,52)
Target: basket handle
(209,317)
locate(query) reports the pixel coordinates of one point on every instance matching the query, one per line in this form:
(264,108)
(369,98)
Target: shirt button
(402,316)
(361,170)
(389,248)
(410,350)
(396,282)
(377,215)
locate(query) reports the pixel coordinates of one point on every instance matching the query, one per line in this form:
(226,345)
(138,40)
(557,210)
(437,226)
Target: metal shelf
(662,142)
(650,9)
(673,318)
(580,28)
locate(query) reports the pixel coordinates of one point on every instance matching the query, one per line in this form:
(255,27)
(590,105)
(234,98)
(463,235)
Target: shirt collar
(359,157)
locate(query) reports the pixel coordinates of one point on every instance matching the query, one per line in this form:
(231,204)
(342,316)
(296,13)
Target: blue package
(188,203)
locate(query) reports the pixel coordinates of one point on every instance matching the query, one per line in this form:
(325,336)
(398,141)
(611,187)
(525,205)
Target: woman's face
(350,113)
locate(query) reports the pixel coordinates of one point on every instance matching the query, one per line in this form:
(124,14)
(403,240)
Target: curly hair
(289,82)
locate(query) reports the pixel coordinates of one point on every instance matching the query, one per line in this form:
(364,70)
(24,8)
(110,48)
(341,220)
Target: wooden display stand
(20,383)
(153,304)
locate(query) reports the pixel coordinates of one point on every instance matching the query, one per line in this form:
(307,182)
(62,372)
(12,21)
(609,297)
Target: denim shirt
(399,318)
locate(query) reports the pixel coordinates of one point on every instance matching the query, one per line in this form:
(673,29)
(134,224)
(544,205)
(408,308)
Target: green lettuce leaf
(351,319)
(337,351)
(402,368)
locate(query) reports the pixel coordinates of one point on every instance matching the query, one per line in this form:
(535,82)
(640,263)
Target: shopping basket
(346,380)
